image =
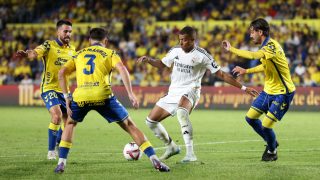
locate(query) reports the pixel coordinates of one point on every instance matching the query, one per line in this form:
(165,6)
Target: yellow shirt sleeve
(255,69)
(115,58)
(248,54)
(70,66)
(43,49)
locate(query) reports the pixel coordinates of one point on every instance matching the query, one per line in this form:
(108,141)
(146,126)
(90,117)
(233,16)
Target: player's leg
(153,121)
(268,123)
(54,125)
(78,114)
(113,111)
(62,125)
(64,117)
(252,118)
(129,126)
(279,105)
(65,145)
(183,110)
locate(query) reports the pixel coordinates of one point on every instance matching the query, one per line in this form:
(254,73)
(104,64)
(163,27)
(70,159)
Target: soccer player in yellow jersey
(93,65)
(54,54)
(278,90)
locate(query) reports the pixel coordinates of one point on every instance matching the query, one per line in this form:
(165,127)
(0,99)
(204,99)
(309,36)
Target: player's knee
(151,123)
(55,118)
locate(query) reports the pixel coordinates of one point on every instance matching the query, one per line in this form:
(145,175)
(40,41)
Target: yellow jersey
(274,64)
(93,67)
(54,54)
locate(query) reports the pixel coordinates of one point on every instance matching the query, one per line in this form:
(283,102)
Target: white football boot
(170,151)
(52,155)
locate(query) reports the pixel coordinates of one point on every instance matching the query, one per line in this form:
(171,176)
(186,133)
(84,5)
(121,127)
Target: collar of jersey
(60,43)
(96,44)
(265,41)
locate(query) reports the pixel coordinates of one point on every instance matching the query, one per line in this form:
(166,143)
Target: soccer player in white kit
(189,65)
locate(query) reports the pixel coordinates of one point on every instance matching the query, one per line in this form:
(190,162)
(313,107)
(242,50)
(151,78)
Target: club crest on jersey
(58,51)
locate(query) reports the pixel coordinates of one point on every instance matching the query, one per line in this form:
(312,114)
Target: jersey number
(90,63)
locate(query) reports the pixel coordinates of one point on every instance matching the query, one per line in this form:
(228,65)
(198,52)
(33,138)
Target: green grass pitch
(227,148)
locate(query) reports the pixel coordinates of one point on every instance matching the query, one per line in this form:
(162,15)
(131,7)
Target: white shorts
(170,102)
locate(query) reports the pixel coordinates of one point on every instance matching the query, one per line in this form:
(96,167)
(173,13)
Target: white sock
(159,131)
(186,129)
(62,160)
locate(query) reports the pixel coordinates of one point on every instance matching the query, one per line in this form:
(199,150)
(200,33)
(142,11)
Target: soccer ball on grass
(132,152)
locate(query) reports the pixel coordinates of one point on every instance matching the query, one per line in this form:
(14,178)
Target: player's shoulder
(175,48)
(202,52)
(272,45)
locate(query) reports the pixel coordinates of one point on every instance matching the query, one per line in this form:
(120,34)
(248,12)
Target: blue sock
(270,138)
(149,151)
(52,139)
(64,148)
(147,148)
(63,152)
(59,134)
(52,135)
(256,125)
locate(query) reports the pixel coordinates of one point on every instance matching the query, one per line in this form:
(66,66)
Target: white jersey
(188,69)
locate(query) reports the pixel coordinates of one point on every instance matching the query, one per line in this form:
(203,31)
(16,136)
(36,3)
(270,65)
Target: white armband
(66,95)
(243,88)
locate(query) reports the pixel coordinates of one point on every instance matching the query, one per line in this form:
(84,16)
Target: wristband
(243,88)
(66,95)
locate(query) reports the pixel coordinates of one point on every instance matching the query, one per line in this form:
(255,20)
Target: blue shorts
(111,109)
(52,98)
(278,105)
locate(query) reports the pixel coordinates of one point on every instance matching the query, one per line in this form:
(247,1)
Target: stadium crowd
(139,34)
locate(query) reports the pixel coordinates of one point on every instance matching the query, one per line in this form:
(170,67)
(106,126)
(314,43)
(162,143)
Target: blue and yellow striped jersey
(274,64)
(93,67)
(54,54)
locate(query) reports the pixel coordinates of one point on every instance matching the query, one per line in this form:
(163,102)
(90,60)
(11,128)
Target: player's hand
(226,45)
(134,101)
(252,92)
(238,71)
(22,53)
(143,59)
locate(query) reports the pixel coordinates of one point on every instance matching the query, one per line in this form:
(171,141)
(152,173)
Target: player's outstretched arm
(63,84)
(230,80)
(240,71)
(151,61)
(31,54)
(242,53)
(127,83)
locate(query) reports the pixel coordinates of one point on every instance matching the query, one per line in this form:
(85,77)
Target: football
(132,152)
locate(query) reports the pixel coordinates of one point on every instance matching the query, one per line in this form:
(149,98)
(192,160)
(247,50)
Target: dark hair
(261,24)
(98,34)
(188,30)
(62,22)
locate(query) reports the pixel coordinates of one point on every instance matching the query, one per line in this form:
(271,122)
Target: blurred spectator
(133,31)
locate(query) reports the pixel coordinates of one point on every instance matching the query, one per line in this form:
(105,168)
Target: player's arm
(30,54)
(243,53)
(66,70)
(39,51)
(127,83)
(240,71)
(153,62)
(230,80)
